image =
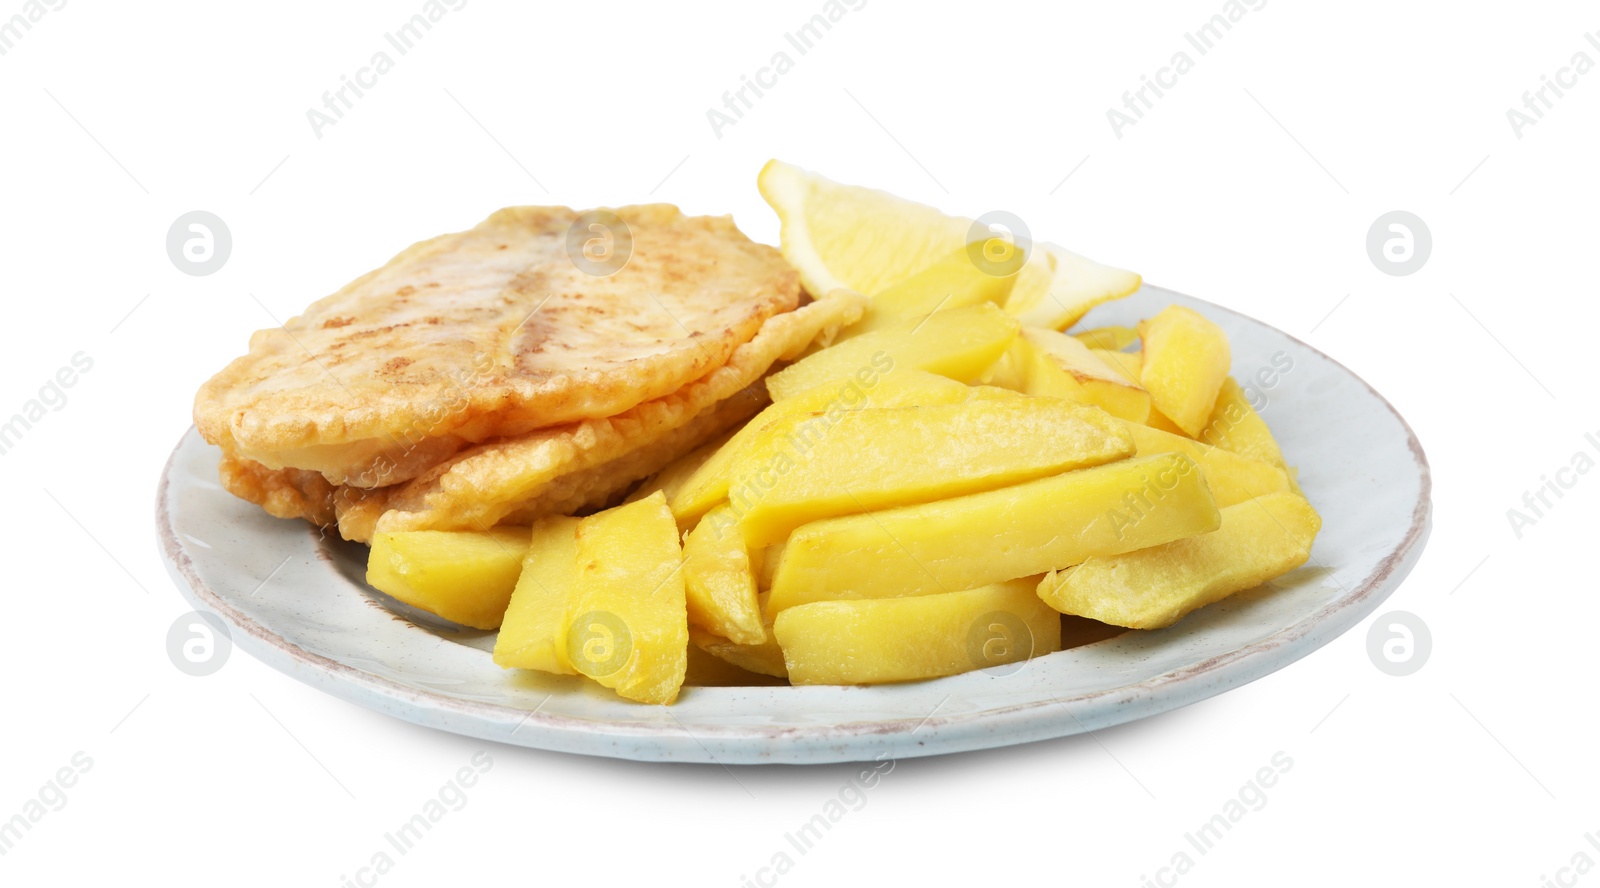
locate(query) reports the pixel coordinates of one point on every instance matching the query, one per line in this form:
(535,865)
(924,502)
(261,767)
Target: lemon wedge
(858,238)
(838,235)
(1058,287)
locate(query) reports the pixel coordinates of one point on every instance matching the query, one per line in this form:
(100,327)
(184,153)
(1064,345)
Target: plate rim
(1220,672)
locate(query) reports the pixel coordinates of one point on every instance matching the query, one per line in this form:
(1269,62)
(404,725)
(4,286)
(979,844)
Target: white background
(1251,183)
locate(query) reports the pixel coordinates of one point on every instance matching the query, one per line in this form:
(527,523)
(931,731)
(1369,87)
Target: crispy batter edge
(295,493)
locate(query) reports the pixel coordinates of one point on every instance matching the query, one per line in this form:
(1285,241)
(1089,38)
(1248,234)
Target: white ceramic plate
(316,619)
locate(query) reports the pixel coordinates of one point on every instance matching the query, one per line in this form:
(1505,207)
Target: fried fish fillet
(492,332)
(559,470)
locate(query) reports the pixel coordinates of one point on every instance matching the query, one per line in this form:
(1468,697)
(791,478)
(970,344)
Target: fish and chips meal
(650,451)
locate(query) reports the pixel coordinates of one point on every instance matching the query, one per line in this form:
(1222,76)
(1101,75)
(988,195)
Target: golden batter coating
(489,333)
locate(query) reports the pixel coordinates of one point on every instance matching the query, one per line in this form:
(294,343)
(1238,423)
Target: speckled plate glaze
(297,602)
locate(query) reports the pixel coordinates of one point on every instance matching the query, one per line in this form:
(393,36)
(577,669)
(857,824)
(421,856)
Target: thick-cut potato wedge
(807,468)
(953,282)
(998,535)
(534,634)
(765,658)
(629,628)
(1234,425)
(464,576)
(1057,287)
(718,579)
(1152,588)
(1232,478)
(1113,338)
(1186,359)
(905,639)
(960,343)
(1063,367)
(711,482)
